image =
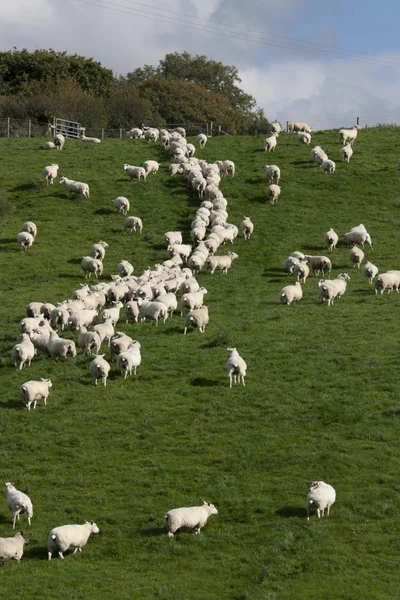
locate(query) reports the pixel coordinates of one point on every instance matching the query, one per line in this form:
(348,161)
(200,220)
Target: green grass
(321,399)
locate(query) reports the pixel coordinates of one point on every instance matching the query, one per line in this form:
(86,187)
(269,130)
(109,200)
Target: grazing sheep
(346,153)
(301,271)
(92,140)
(135,133)
(122,205)
(59,141)
(30,227)
(91,265)
(387,281)
(221,263)
(13,547)
(271,142)
(133,223)
(303,137)
(76,187)
(322,496)
(370,271)
(130,359)
(99,250)
(32,391)
(99,369)
(291,293)
(18,503)
(272,172)
(33,309)
(202,140)
(328,166)
(197,318)
(246,227)
(23,352)
(193,517)
(235,367)
(290,263)
(318,155)
(50,173)
(152,310)
(59,316)
(192,300)
(82,318)
(25,240)
(357,236)
(151,166)
(135,172)
(88,340)
(348,136)
(331,239)
(319,264)
(273,193)
(299,126)
(329,290)
(60,347)
(175,168)
(356,256)
(49,146)
(183,250)
(111,314)
(69,536)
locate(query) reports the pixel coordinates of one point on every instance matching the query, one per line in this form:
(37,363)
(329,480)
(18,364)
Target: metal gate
(69,129)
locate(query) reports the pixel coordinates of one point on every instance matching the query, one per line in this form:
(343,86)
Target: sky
(303,60)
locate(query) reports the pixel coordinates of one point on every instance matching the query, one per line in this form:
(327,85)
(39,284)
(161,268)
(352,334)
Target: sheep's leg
(49,555)
(243,380)
(327,510)
(29,520)
(60,554)
(230,380)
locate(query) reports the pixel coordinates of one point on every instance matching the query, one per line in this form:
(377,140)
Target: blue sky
(290,83)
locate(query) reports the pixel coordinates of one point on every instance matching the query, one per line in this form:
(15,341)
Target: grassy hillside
(321,399)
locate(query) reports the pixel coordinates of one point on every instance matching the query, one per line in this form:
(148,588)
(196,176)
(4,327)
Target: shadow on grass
(289,512)
(35,552)
(74,261)
(173,330)
(260,199)
(25,187)
(204,382)
(152,531)
(8,240)
(104,211)
(68,276)
(303,162)
(11,404)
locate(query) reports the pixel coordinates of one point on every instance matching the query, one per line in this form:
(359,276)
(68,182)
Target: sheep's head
(211,508)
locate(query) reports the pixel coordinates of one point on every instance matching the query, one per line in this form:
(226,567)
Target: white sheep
(170,301)
(33,309)
(25,240)
(18,503)
(346,153)
(99,250)
(13,547)
(135,172)
(331,239)
(387,281)
(357,236)
(88,340)
(30,323)
(60,347)
(30,227)
(59,316)
(151,134)
(276,127)
(192,517)
(23,352)
(328,166)
(197,318)
(76,187)
(183,250)
(69,536)
(221,263)
(152,310)
(122,205)
(236,367)
(322,496)
(49,146)
(329,290)
(50,173)
(105,330)
(348,136)
(172,237)
(111,314)
(291,293)
(175,168)
(119,343)
(40,337)
(272,172)
(290,263)
(59,141)
(202,140)
(318,155)
(91,265)
(32,391)
(301,271)
(319,264)
(192,300)
(273,193)
(356,256)
(151,166)
(299,126)
(370,271)
(303,137)
(129,360)
(271,142)
(99,369)
(133,223)
(135,133)
(246,227)
(91,140)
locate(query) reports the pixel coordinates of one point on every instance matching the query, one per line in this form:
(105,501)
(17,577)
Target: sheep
(328,166)
(198,234)
(25,240)
(370,271)
(122,205)
(111,314)
(99,250)
(301,271)
(170,301)
(272,172)
(13,547)
(319,264)
(298,255)
(226,167)
(346,153)
(133,223)
(299,126)
(355,236)
(91,140)
(135,133)
(30,323)
(151,166)
(270,143)
(329,290)
(291,293)
(331,239)
(362,229)
(135,172)
(348,136)
(76,187)
(49,146)
(30,227)
(69,536)
(151,134)
(99,369)
(132,311)
(59,316)
(202,140)
(246,227)
(91,265)
(192,517)
(322,495)
(221,263)
(197,318)
(60,347)
(190,150)
(88,340)
(290,263)
(125,269)
(356,256)
(129,360)
(59,141)
(172,237)
(82,318)
(276,127)
(32,391)
(33,309)
(119,343)
(236,367)
(46,309)
(105,330)
(23,352)
(18,503)
(192,300)
(152,310)
(175,168)
(183,250)
(50,173)
(40,337)
(318,155)
(273,193)
(387,281)
(303,137)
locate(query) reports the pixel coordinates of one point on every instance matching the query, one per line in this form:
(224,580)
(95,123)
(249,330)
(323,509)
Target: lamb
(135,172)
(303,137)
(69,536)
(291,293)
(18,503)
(99,250)
(272,172)
(348,136)
(235,367)
(328,166)
(329,290)
(76,187)
(202,140)
(273,193)
(111,314)
(226,167)
(122,205)
(246,227)
(133,223)
(276,127)
(59,141)
(193,517)
(299,126)
(88,340)
(50,173)
(356,256)
(49,146)
(197,318)
(169,300)
(99,369)
(129,360)
(91,140)
(319,264)
(91,265)
(60,347)
(105,330)
(23,352)
(25,240)
(13,547)
(270,143)
(151,166)
(192,300)
(387,281)
(318,155)
(59,316)
(221,263)
(152,310)
(346,153)
(301,271)
(370,271)
(322,495)
(32,391)
(331,239)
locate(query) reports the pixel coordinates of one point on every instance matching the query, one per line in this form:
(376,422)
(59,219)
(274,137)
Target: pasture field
(321,400)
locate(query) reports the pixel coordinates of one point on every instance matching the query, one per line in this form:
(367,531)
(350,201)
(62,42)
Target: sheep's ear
(91,522)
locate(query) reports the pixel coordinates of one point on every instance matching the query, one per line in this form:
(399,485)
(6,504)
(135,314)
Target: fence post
(120,134)
(29,128)
(287,126)
(211,128)
(219,129)
(358,120)
(54,126)
(207,128)
(102,133)
(8,127)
